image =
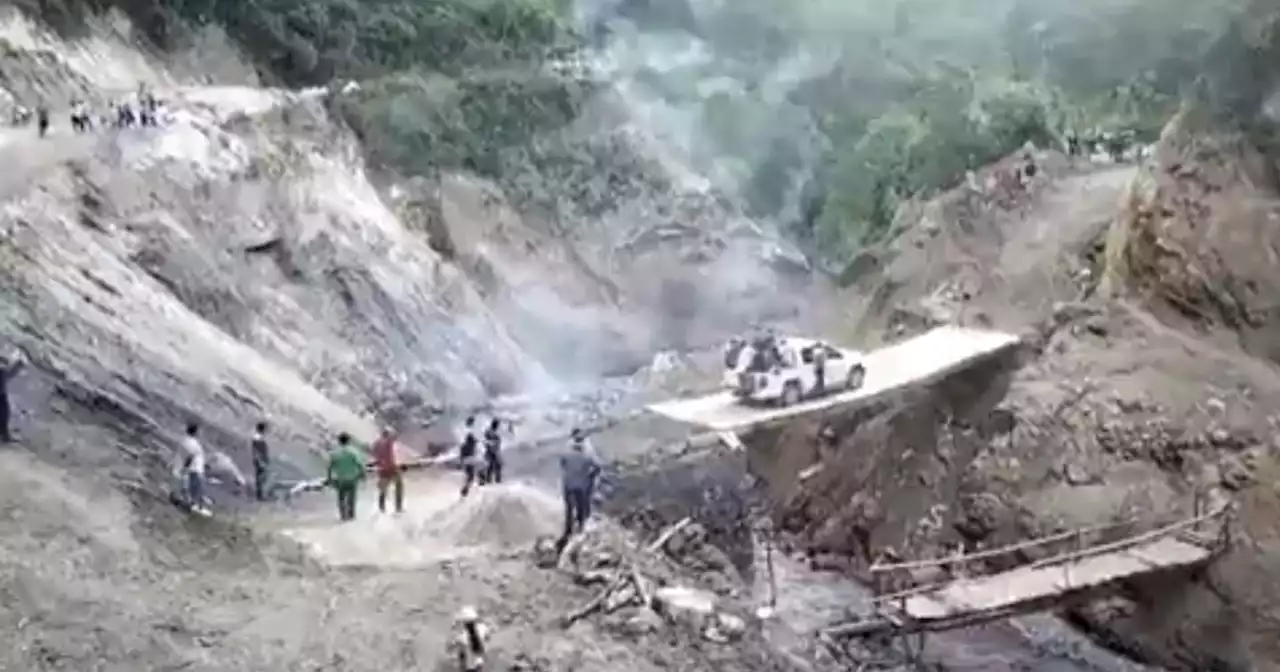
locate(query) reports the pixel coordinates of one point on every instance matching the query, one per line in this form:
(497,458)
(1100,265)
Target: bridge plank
(1034,583)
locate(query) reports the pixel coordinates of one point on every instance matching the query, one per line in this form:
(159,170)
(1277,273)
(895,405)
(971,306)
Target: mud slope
(1120,406)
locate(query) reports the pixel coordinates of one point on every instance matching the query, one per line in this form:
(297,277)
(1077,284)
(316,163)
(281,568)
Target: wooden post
(1077,546)
(1224,531)
(768,563)
(904,639)
(1196,505)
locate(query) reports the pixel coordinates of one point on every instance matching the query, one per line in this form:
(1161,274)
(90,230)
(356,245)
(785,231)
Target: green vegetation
(826,114)
(309,42)
(899,98)
(430,98)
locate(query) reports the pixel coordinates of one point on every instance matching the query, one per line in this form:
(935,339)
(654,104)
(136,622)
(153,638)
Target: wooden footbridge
(1075,565)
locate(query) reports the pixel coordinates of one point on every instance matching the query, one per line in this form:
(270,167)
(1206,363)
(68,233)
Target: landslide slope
(243,261)
(1147,379)
(240,262)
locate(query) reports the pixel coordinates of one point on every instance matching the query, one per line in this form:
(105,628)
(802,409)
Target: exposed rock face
(1118,408)
(241,262)
(1198,236)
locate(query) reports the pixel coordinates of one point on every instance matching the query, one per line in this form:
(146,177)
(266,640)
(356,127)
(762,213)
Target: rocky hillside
(242,261)
(1147,380)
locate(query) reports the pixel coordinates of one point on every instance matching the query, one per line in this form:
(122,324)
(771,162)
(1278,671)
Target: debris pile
(637,592)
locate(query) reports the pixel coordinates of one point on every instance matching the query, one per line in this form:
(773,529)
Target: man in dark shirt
(579,471)
(261,462)
(7,372)
(493,453)
(467,456)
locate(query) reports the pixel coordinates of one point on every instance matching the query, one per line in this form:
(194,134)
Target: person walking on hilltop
(346,470)
(467,456)
(469,641)
(261,462)
(10,368)
(388,470)
(42,119)
(492,453)
(190,470)
(579,470)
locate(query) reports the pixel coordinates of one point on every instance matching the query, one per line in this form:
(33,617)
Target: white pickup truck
(790,370)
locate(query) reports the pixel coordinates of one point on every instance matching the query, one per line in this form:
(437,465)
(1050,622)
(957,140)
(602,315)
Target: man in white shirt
(190,468)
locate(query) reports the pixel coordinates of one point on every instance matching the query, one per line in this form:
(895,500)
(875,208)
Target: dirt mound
(437,524)
(965,259)
(1197,239)
(506,516)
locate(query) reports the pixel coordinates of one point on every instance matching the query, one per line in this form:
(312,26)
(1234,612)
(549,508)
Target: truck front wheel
(857,376)
(790,394)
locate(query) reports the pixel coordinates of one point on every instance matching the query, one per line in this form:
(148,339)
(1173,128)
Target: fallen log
(668,533)
(858,628)
(620,579)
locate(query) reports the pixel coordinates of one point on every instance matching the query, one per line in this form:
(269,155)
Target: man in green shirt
(346,470)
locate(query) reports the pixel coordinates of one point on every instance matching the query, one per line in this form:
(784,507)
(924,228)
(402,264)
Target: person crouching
(469,641)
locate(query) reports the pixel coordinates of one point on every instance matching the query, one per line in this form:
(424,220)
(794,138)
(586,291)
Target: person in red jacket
(388,470)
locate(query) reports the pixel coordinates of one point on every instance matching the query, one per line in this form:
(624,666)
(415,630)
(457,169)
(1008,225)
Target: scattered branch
(620,579)
(642,593)
(668,533)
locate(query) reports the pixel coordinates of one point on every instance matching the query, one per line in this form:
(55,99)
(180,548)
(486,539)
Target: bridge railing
(894,582)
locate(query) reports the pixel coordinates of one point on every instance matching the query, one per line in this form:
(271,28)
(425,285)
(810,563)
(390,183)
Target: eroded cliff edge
(1147,379)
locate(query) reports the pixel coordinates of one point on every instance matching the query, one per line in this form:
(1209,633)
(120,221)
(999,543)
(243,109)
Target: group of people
(764,350)
(348,467)
(480,457)
(482,464)
(144,109)
(1115,144)
(193,464)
